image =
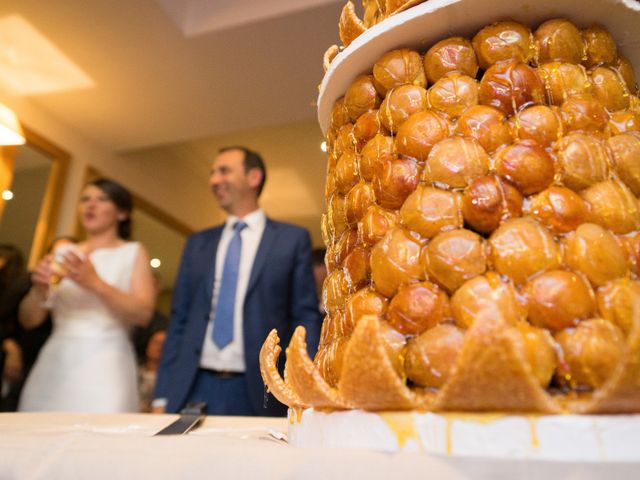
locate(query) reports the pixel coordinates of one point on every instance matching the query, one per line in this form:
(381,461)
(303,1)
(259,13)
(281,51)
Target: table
(92,446)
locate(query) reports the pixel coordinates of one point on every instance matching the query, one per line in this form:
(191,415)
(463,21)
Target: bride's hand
(42,274)
(81,270)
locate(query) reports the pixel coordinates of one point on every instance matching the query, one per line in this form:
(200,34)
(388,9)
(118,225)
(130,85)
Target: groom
(236,282)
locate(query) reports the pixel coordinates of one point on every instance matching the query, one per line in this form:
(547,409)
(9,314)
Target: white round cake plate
(421,26)
(581,438)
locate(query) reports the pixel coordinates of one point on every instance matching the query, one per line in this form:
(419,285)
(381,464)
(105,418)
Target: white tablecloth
(81,446)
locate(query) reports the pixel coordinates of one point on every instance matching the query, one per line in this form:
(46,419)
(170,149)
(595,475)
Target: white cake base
(584,438)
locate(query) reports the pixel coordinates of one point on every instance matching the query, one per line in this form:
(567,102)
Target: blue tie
(225,306)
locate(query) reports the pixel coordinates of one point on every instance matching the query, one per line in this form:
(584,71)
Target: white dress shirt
(231,357)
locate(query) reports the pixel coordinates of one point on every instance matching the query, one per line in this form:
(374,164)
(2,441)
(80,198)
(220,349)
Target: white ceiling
(165,71)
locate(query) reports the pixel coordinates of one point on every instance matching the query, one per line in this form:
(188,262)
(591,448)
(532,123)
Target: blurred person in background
(96,290)
(148,370)
(14,284)
(236,282)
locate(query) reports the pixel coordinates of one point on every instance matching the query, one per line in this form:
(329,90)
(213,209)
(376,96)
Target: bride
(88,364)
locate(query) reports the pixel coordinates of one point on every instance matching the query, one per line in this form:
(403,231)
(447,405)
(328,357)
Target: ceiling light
(155,262)
(323,147)
(10,129)
(7,194)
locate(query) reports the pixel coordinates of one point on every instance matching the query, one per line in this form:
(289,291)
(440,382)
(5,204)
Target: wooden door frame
(50,206)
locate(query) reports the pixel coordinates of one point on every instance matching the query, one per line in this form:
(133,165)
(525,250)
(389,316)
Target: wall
(84,152)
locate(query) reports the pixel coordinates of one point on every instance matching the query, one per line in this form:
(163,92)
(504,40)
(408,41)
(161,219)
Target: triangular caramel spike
(395,6)
(329,55)
(621,394)
(304,378)
(350,26)
(268,368)
(491,373)
(368,379)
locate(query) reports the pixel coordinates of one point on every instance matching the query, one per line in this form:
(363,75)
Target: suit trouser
(224,393)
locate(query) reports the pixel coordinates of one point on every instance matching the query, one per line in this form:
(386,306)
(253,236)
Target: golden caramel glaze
(357,267)
(343,141)
(361,97)
(430,210)
(455,256)
(489,200)
(612,206)
(582,160)
(336,219)
(430,357)
(625,70)
(358,201)
(559,40)
(488,291)
(625,149)
(418,307)
(375,224)
(329,360)
(616,300)
(350,26)
(339,115)
(539,123)
(455,162)
(366,127)
(303,377)
(631,246)
(441,294)
(583,113)
(608,87)
(394,180)
(333,326)
(395,261)
(453,54)
(595,252)
(591,351)
(396,68)
(624,121)
(539,349)
(394,344)
(335,292)
(378,150)
(269,353)
(487,125)
(345,245)
(600,46)
(365,302)
(522,248)
(503,41)
(527,165)
(346,172)
(559,209)
(379,388)
(420,132)
(492,372)
(511,86)
(399,104)
(453,94)
(563,80)
(559,299)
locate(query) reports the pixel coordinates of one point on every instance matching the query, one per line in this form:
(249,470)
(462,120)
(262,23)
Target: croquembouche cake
(483,222)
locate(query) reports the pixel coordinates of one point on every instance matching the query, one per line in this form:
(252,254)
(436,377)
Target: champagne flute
(58,271)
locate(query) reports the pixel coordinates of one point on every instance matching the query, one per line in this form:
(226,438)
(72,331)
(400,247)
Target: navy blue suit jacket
(281,294)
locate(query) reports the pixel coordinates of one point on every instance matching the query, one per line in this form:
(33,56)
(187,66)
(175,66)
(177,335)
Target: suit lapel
(266,243)
(209,250)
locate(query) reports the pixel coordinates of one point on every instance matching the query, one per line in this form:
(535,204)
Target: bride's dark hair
(122,199)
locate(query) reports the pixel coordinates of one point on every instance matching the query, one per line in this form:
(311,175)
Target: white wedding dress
(87,364)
